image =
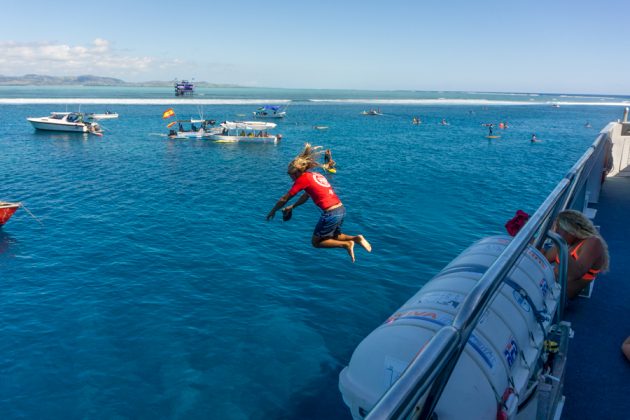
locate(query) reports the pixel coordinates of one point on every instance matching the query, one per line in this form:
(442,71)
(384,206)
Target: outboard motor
(499,363)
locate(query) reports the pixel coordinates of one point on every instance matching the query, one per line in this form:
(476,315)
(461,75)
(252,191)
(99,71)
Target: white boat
(106,116)
(203,129)
(65,121)
(245,132)
(372,112)
(270,111)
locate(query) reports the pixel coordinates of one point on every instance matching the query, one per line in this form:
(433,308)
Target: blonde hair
(578,225)
(307,159)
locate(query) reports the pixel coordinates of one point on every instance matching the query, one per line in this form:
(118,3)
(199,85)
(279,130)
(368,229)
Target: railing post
(563,254)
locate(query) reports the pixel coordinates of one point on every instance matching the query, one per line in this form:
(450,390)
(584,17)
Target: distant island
(89,80)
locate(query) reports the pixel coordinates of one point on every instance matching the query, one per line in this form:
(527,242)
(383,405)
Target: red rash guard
(317,187)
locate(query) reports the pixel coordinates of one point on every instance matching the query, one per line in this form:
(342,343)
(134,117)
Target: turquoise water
(154,287)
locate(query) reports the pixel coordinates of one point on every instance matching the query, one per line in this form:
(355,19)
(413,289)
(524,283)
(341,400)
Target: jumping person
(327,233)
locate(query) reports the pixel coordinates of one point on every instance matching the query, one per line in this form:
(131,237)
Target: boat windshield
(74,117)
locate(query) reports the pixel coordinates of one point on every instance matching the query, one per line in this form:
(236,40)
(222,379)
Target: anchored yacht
(65,121)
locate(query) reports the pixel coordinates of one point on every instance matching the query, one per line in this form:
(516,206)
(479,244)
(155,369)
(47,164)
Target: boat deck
(597,383)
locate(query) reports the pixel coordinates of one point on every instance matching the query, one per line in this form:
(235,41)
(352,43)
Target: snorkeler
(327,233)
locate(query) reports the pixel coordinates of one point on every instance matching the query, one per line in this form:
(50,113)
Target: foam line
(130,101)
(468,102)
(179,101)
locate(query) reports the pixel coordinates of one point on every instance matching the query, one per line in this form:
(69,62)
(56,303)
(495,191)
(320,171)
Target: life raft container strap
(539,315)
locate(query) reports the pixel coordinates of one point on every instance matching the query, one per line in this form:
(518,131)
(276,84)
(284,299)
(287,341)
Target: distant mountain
(41,80)
(88,80)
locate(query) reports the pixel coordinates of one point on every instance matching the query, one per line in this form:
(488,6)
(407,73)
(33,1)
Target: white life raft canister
(501,354)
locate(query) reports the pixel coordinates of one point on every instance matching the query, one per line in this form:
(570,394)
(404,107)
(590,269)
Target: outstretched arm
(283,200)
(303,199)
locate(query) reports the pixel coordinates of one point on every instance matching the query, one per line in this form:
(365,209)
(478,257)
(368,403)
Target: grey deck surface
(597,384)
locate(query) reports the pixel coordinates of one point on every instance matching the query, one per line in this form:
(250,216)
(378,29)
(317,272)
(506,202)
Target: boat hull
(220,138)
(271,116)
(6,211)
(51,125)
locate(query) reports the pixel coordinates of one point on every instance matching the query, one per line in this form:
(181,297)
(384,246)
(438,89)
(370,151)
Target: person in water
(329,163)
(534,138)
(588,251)
(327,233)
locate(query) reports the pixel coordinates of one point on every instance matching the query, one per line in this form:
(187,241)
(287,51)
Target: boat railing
(416,393)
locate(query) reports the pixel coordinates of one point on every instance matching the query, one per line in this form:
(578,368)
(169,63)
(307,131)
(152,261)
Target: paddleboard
(493,137)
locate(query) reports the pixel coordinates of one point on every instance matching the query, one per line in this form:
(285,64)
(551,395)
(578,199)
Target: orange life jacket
(591,273)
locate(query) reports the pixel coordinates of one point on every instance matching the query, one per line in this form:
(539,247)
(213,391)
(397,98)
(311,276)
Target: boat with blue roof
(271,111)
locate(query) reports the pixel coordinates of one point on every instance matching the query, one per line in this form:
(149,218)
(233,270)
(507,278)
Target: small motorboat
(372,112)
(271,111)
(6,210)
(72,122)
(188,129)
(245,132)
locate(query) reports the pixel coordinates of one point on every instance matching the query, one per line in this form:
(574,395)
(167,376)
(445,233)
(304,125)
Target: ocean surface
(147,283)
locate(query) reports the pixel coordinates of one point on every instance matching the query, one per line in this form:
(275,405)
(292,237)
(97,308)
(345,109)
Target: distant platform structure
(184,88)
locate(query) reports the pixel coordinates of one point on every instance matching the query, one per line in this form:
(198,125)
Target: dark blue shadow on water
(60,135)
(6,241)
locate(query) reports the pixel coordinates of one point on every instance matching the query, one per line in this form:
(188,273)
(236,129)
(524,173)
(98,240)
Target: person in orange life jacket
(327,233)
(588,252)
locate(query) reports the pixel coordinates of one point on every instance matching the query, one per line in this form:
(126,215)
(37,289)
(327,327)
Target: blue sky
(534,46)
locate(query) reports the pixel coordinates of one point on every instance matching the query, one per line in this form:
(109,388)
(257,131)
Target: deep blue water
(154,287)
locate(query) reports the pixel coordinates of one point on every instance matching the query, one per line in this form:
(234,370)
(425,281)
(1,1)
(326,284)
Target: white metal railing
(417,391)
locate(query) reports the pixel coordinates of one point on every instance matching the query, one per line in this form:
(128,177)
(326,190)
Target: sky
(552,46)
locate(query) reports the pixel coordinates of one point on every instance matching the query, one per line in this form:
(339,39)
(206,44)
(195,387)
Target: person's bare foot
(364,243)
(350,249)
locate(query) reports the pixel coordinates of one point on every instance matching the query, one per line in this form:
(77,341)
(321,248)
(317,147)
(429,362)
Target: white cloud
(99,58)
